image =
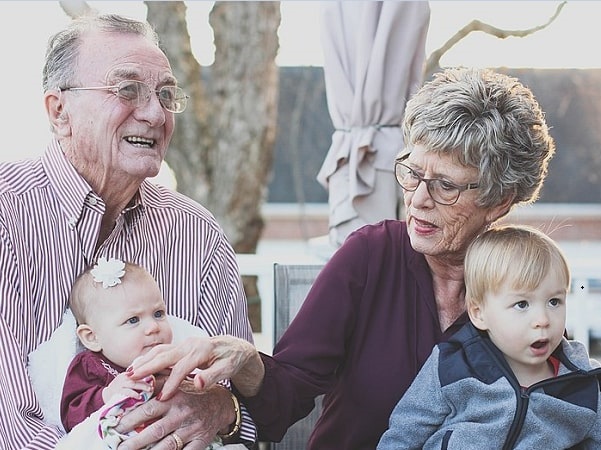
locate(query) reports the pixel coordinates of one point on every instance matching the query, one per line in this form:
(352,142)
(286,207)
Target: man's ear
(88,338)
(477,316)
(55,109)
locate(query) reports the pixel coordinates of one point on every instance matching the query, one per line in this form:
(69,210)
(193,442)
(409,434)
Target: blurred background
(287,220)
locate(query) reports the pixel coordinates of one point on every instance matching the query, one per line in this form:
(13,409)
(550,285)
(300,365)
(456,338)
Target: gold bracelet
(238,418)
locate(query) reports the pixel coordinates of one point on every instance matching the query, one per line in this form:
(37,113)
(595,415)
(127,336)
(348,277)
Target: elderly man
(111,97)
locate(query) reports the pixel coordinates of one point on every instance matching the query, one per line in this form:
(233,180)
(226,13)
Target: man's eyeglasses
(136,93)
(442,192)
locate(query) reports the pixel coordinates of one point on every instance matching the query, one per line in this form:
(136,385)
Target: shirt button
(92,201)
(72,222)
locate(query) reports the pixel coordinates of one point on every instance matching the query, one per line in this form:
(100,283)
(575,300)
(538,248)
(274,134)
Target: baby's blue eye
(133,320)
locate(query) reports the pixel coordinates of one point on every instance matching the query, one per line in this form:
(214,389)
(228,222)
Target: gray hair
(63,47)
(486,120)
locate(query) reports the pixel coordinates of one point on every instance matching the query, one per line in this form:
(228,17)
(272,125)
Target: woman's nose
(421,196)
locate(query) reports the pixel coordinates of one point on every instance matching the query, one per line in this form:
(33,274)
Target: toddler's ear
(88,338)
(477,317)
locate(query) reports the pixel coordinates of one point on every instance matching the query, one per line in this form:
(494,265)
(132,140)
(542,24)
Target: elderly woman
(477,144)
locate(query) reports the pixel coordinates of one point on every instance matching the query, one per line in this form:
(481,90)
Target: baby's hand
(124,386)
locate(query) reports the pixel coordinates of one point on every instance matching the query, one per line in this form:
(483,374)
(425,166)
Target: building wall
(563,222)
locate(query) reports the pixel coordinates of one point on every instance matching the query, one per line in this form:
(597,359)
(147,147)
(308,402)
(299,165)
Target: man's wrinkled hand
(195,417)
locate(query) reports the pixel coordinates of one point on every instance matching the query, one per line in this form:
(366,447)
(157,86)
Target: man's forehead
(124,56)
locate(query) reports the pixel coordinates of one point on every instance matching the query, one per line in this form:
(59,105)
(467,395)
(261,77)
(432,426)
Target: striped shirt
(49,222)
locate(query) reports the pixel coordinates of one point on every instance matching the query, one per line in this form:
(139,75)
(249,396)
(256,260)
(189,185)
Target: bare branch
(433,62)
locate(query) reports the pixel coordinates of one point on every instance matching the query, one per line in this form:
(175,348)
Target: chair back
(291,285)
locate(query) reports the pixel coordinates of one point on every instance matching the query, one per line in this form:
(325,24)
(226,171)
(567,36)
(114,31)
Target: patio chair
(291,284)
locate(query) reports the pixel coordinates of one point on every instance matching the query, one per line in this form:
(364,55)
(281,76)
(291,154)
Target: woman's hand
(194,417)
(209,360)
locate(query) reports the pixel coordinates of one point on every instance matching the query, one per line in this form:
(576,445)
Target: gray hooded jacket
(466,397)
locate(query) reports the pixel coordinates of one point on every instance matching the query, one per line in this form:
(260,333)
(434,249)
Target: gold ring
(179,444)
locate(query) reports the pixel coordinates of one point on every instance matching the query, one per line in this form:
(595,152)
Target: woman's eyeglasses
(442,192)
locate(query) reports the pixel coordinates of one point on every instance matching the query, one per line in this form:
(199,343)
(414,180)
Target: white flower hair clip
(108,271)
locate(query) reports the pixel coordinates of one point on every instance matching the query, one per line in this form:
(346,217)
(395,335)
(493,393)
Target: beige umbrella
(373,62)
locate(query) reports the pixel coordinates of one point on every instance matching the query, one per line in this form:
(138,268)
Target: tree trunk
(222,148)
(244,93)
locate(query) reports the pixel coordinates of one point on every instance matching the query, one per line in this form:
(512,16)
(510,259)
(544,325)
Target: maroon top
(365,329)
(88,374)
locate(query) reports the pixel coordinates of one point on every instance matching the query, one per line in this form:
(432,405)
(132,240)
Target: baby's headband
(108,271)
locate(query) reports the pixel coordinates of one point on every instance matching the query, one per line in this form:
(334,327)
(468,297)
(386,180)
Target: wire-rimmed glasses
(137,93)
(441,191)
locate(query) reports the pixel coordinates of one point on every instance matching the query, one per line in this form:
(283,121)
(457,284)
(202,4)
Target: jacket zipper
(523,398)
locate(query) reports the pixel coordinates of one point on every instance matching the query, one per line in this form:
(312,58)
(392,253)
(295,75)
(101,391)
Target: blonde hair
(520,256)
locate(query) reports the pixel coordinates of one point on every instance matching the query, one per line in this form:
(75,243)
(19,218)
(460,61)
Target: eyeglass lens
(137,93)
(441,191)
